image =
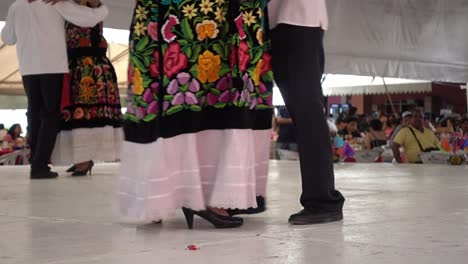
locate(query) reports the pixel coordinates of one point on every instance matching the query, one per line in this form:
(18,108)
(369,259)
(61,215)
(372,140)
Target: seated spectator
(405,121)
(415,139)
(376,136)
(340,123)
(447,125)
(286,135)
(13,136)
(351,130)
(3,132)
(364,123)
(464,126)
(387,128)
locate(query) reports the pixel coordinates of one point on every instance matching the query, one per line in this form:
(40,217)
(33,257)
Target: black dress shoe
(44,175)
(260,208)
(309,217)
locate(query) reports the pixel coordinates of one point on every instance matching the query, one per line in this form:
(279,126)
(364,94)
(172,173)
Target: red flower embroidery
(154,66)
(167,29)
(244,56)
(174,60)
(240,26)
(233,57)
(266,63)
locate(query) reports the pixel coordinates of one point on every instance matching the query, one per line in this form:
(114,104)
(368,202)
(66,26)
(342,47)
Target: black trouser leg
(298,62)
(43,92)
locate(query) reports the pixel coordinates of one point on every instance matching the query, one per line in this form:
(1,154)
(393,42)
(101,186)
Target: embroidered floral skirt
(91,124)
(197,127)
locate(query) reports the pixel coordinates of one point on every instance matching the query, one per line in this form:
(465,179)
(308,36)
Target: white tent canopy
(337,85)
(413,39)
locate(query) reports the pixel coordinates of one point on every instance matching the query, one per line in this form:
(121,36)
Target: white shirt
(38,30)
(306,13)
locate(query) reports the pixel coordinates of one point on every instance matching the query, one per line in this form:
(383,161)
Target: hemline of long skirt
(216,168)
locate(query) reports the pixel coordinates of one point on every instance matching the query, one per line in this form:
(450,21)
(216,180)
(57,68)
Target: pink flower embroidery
(153,30)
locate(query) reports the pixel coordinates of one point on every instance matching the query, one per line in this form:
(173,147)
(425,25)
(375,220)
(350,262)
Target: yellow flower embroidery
(260,36)
(220,14)
(87,89)
(207,29)
(141,13)
(137,82)
(140,29)
(208,67)
(249,18)
(206,6)
(257,72)
(220,2)
(190,11)
(88,61)
(260,13)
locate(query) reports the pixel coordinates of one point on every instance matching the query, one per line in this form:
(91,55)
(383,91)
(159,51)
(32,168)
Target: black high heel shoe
(72,168)
(218,221)
(89,170)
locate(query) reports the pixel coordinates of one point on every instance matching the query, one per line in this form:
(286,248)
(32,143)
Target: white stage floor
(393,214)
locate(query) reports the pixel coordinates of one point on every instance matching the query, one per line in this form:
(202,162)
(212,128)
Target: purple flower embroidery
(153,108)
(224,97)
(155,87)
(194,86)
(178,99)
(202,101)
(190,98)
(253,103)
(212,99)
(173,87)
(235,96)
(262,88)
(222,84)
(165,105)
(245,96)
(140,112)
(148,96)
(269,100)
(183,78)
(130,109)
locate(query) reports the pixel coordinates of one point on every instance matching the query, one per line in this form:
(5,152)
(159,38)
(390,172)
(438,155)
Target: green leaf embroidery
(263,107)
(224,70)
(186,30)
(165,81)
(174,109)
(196,108)
(194,70)
(196,52)
(183,42)
(138,64)
(268,77)
(215,91)
(265,95)
(168,97)
(220,105)
(150,117)
(131,118)
(184,88)
(142,44)
(219,50)
(257,56)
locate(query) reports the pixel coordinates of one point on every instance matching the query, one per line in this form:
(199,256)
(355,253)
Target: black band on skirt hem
(209,119)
